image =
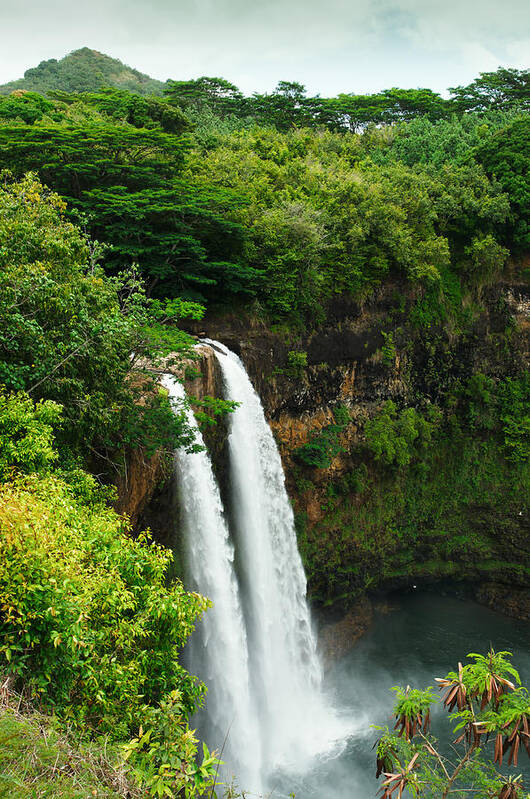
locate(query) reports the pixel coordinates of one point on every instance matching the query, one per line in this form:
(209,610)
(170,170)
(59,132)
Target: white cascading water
(218,651)
(295,720)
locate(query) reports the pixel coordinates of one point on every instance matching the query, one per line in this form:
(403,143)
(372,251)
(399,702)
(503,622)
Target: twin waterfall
(254,648)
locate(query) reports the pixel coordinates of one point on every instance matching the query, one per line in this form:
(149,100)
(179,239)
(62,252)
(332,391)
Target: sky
(330,46)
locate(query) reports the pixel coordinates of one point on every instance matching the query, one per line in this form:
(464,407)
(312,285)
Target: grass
(40,761)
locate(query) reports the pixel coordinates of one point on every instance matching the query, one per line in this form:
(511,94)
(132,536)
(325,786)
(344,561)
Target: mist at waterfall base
(289,729)
(422,636)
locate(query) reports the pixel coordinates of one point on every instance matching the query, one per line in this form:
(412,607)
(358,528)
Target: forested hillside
(234,202)
(388,230)
(80,71)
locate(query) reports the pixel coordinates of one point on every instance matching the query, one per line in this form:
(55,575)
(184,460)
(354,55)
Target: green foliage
(89,623)
(513,397)
(505,88)
(288,106)
(477,676)
(353,482)
(412,702)
(164,755)
(502,407)
(479,396)
(321,221)
(486,707)
(288,201)
(324,445)
(296,363)
(127,184)
(457,511)
(320,450)
(127,108)
(388,349)
(209,410)
(216,94)
(37,759)
(92,628)
(395,438)
(25,107)
(26,433)
(68,332)
(505,157)
(424,141)
(341,415)
(81,71)
(484,259)
(439,303)
(282,213)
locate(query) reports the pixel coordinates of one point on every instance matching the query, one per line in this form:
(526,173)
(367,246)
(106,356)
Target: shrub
(296,363)
(26,433)
(503,408)
(513,395)
(325,445)
(88,623)
(38,759)
(388,349)
(491,713)
(394,437)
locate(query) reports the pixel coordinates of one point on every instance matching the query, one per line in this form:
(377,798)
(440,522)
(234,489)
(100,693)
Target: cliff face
(454,514)
(137,484)
(457,512)
(206,382)
(145,490)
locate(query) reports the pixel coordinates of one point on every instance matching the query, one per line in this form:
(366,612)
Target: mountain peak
(81,71)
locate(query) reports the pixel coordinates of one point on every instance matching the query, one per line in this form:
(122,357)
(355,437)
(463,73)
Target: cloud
(331,45)
(518,53)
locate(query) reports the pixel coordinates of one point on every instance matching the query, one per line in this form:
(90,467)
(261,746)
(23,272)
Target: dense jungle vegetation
(123,212)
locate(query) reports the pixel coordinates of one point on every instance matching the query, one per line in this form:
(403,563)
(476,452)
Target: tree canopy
(68,333)
(267,198)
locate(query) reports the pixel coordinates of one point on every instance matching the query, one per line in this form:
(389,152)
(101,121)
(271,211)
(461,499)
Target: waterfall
(218,652)
(295,720)
(255,648)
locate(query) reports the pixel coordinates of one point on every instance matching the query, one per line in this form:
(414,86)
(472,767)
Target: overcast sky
(329,45)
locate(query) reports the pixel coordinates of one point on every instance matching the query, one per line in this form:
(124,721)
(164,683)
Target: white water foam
(218,652)
(296,721)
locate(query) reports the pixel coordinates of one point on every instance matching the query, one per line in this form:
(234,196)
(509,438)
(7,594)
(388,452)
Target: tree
(217,94)
(26,434)
(92,628)
(491,712)
(285,108)
(25,106)
(75,158)
(406,104)
(424,141)
(129,186)
(505,157)
(503,89)
(74,336)
(396,438)
(389,107)
(129,108)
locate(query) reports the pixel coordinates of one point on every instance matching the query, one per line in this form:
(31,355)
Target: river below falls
(422,636)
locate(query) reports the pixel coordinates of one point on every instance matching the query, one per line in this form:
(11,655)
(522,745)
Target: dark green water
(423,637)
